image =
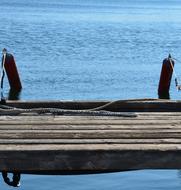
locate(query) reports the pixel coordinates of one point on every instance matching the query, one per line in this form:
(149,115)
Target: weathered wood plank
(48,143)
(90,121)
(68,158)
(90,147)
(8,142)
(50,118)
(90,134)
(35,127)
(89,160)
(125,122)
(97,131)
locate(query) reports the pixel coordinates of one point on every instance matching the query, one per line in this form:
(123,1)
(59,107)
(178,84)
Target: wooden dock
(67,144)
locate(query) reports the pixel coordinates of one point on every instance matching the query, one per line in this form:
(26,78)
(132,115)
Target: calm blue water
(93,49)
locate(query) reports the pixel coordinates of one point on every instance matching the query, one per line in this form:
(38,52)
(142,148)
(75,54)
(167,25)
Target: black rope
(15,179)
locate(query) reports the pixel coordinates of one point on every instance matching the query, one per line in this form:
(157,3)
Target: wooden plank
(97,159)
(90,134)
(91,122)
(68,158)
(90,147)
(96,132)
(35,127)
(141,115)
(88,121)
(62,117)
(8,142)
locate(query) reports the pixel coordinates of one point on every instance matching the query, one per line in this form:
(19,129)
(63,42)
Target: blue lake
(93,49)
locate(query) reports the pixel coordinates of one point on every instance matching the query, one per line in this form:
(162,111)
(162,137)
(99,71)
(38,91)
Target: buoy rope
(170,60)
(177,83)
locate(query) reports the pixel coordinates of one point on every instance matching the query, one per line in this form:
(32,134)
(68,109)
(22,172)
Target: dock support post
(165,78)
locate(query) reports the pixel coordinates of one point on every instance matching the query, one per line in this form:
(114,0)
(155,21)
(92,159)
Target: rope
(55,111)
(170,60)
(176,78)
(15,179)
(98,111)
(104,106)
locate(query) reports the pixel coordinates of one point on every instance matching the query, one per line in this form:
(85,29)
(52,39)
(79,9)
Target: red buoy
(165,78)
(12,72)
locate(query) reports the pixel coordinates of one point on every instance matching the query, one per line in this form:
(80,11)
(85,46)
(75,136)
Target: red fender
(165,77)
(12,73)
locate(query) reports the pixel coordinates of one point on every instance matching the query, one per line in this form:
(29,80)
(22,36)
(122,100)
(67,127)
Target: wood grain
(51,144)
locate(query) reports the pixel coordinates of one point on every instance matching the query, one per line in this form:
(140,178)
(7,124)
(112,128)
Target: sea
(93,50)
